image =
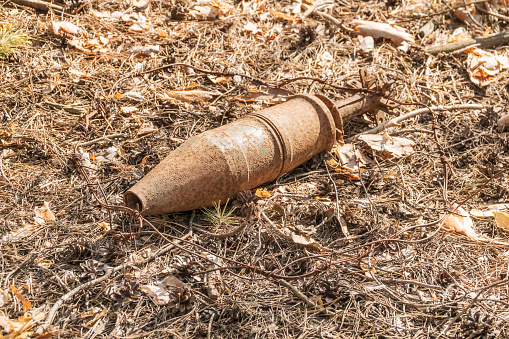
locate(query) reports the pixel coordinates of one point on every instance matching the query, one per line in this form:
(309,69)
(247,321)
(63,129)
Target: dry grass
(427,282)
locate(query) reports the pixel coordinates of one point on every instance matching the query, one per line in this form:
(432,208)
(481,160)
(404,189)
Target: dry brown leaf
(146,128)
(44,214)
(395,146)
(26,304)
(459,222)
(459,34)
(204,13)
(274,95)
(100,15)
(502,219)
(396,34)
(349,157)
(503,123)
(23,232)
(141,3)
(188,96)
(252,27)
(65,27)
(302,239)
(284,16)
(17,329)
(262,193)
(483,66)
(4,297)
(466,14)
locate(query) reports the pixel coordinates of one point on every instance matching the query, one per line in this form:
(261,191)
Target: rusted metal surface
(217,164)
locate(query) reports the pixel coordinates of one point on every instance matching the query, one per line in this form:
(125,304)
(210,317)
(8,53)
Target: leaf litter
(385,190)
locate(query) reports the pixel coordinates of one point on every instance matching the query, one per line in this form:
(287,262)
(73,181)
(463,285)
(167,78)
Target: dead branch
(489,41)
(39,5)
(496,15)
(398,120)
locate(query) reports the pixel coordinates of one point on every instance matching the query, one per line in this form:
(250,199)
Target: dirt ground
(321,252)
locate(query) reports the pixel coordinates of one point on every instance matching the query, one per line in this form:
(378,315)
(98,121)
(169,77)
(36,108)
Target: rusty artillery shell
(217,164)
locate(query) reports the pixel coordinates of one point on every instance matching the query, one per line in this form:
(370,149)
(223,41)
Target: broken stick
(492,40)
(40,5)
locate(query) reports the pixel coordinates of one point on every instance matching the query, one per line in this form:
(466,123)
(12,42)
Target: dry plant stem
(328,17)
(344,229)
(40,5)
(297,293)
(489,41)
(398,120)
(465,4)
(105,138)
(496,15)
(2,170)
(52,313)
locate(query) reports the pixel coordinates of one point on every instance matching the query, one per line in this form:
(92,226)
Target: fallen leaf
(188,96)
(379,30)
(284,16)
(395,146)
(44,214)
(4,297)
(252,27)
(467,14)
(26,304)
(170,282)
(204,13)
(503,123)
(459,34)
(502,219)
(141,3)
(100,15)
(302,239)
(349,157)
(128,110)
(134,96)
(274,95)
(263,193)
(107,226)
(65,27)
(162,34)
(366,44)
(459,222)
(17,328)
(77,75)
(158,293)
(146,128)
(23,232)
(145,51)
(483,66)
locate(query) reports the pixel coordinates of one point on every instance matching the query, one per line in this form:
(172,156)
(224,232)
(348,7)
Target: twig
(344,228)
(106,137)
(492,40)
(496,15)
(52,313)
(328,17)
(225,235)
(309,303)
(398,120)
(40,5)
(2,170)
(465,4)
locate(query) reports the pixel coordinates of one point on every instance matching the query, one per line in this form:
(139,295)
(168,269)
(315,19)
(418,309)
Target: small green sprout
(219,216)
(10,39)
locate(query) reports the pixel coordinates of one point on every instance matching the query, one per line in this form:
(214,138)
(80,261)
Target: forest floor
(331,249)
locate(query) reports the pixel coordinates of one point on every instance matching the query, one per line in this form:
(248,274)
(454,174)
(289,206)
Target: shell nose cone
(219,163)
